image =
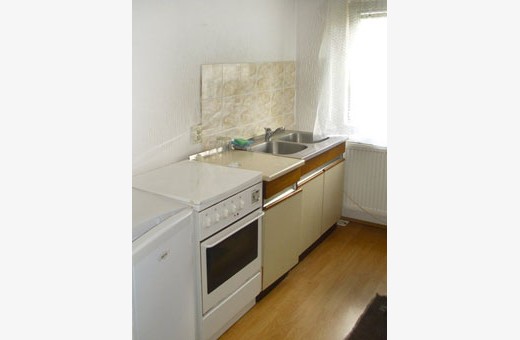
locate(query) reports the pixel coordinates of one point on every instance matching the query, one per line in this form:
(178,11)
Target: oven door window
(229,256)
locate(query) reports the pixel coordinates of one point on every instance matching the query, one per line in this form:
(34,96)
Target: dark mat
(371,325)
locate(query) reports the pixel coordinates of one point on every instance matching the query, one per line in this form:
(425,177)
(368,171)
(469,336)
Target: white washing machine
(163,261)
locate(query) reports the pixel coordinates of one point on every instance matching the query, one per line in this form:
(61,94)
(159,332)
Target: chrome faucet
(269,133)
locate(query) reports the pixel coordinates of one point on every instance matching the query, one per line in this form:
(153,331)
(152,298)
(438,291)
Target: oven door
(230,258)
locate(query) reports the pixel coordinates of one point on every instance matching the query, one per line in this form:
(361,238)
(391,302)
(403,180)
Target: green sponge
(241,142)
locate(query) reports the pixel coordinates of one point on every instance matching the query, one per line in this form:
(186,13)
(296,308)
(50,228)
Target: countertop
(271,166)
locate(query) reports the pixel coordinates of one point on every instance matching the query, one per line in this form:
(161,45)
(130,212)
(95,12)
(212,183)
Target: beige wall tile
(289,74)
(231,79)
(277,103)
(270,76)
(264,81)
(248,76)
(211,81)
(277,76)
(239,100)
(260,104)
(211,113)
(288,100)
(232,110)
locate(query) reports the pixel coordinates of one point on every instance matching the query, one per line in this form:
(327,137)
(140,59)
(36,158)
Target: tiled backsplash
(239,100)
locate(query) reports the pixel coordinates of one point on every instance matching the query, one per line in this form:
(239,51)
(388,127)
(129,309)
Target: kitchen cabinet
(280,243)
(322,201)
(333,179)
(312,207)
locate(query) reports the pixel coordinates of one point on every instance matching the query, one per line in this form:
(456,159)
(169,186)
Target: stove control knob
(217,217)
(241,204)
(233,208)
(225,212)
(207,221)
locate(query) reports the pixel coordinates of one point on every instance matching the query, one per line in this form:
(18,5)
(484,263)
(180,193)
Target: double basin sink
(287,143)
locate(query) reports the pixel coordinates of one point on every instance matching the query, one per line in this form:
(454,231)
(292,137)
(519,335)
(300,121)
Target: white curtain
(333,72)
(344,107)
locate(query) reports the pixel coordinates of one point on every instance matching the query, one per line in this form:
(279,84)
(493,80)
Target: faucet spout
(269,132)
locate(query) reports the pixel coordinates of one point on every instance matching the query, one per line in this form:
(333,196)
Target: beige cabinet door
(312,202)
(332,195)
(280,238)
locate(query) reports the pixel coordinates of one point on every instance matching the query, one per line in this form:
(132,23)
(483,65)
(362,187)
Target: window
(352,79)
(367,88)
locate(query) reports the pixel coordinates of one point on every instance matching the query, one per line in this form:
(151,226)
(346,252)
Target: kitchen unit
(228,236)
(302,193)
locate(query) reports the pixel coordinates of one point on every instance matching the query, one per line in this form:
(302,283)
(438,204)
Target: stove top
(198,184)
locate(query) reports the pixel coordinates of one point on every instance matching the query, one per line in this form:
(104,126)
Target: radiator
(364,197)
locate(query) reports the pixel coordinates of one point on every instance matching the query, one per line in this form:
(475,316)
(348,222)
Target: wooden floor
(323,296)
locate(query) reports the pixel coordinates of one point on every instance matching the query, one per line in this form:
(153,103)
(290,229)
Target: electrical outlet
(196,134)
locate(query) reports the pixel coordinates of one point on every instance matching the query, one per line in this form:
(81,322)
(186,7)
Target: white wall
(171,39)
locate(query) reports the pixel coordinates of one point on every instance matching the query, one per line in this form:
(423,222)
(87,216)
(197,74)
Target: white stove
(228,227)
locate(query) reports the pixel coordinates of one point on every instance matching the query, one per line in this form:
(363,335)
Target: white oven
(230,258)
(230,250)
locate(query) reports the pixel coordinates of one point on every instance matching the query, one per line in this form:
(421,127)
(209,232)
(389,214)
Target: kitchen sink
(300,137)
(278,148)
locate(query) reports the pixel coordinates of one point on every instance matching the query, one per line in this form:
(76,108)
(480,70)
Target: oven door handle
(254,216)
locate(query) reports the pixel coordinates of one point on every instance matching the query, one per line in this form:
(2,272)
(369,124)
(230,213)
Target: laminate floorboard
(323,296)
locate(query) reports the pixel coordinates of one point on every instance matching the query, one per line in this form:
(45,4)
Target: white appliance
(228,219)
(164,291)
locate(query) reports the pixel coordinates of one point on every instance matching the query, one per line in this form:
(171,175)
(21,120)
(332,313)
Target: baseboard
(370,216)
(368,223)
